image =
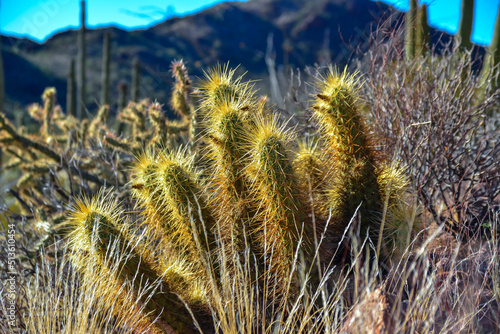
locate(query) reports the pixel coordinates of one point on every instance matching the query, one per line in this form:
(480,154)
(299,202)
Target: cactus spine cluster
(346,143)
(100,238)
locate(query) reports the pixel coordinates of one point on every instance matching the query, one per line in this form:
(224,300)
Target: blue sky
(39,19)
(445,15)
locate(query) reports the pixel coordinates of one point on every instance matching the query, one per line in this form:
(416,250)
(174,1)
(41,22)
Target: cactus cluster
(56,148)
(247,186)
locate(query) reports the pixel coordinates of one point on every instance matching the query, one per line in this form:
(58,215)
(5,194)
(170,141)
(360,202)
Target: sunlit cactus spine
(401,221)
(106,60)
(257,196)
(464,32)
(100,237)
(311,166)
(361,181)
(314,175)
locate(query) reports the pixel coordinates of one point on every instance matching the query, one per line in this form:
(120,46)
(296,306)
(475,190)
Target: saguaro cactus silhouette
(411,16)
(492,57)
(105,68)
(70,91)
(2,82)
(422,37)
(82,81)
(136,73)
(464,32)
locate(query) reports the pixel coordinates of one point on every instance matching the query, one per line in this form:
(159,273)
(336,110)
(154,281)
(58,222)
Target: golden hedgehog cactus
(252,189)
(100,237)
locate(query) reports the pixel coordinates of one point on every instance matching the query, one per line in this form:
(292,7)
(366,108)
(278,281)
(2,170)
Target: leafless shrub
(434,114)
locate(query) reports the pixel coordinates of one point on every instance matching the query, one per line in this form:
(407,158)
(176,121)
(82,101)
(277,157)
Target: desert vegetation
(369,204)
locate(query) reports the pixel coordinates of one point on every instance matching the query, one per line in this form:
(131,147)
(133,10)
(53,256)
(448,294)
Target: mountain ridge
(234,32)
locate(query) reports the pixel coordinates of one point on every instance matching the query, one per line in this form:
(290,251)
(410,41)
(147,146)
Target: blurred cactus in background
(422,33)
(417,36)
(492,57)
(71,90)
(82,81)
(464,33)
(136,73)
(410,21)
(106,60)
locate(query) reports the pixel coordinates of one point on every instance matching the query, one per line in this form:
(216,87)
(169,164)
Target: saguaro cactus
(411,16)
(422,38)
(2,82)
(465,26)
(492,57)
(136,72)
(80,103)
(105,68)
(70,91)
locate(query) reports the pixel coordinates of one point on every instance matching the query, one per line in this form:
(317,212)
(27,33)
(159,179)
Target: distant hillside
(304,32)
